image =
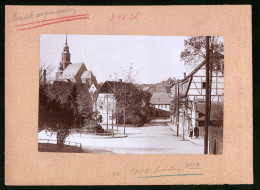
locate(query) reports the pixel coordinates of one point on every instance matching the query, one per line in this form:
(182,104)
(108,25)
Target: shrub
(134,120)
(216,115)
(94,127)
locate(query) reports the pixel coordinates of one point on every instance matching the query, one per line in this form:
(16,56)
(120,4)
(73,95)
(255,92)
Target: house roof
(194,71)
(161,88)
(146,86)
(186,84)
(160,98)
(72,70)
(190,74)
(110,86)
(87,74)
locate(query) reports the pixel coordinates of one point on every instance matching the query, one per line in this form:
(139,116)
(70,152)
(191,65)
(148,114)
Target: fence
(215,140)
(55,142)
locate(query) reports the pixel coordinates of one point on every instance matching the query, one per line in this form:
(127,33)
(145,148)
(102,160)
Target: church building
(74,73)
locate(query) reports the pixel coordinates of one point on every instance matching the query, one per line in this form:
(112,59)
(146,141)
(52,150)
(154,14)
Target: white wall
(162,107)
(106,105)
(196,88)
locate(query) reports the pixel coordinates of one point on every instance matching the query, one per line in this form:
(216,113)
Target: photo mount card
(101,64)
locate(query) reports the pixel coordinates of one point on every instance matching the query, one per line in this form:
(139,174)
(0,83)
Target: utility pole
(207,98)
(178,107)
(124,121)
(107,112)
(183,125)
(185,112)
(124,109)
(112,118)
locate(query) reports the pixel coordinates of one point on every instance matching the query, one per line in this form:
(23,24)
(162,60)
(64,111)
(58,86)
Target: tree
(168,83)
(64,107)
(78,96)
(216,115)
(174,106)
(195,53)
(47,70)
(54,116)
(81,102)
(133,102)
(43,109)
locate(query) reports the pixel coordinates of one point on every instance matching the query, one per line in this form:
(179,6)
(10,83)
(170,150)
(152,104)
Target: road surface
(155,137)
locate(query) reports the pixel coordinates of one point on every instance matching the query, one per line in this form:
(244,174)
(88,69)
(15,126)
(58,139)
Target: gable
(87,74)
(73,70)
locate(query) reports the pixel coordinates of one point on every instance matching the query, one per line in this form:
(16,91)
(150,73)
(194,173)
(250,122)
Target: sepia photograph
(131,94)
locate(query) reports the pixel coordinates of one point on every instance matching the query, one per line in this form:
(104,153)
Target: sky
(155,58)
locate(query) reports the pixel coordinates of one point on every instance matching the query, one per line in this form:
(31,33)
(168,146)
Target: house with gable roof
(160,103)
(192,92)
(106,105)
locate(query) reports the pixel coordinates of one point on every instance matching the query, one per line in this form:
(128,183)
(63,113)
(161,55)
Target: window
(203,85)
(165,106)
(100,106)
(201,114)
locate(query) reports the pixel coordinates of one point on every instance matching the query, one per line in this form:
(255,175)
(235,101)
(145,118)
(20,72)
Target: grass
(47,147)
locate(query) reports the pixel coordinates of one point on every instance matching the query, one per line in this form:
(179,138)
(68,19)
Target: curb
(119,136)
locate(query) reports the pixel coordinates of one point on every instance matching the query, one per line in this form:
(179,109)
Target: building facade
(105,106)
(160,103)
(74,73)
(192,96)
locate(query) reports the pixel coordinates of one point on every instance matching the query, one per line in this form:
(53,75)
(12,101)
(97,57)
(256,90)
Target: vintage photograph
(128,94)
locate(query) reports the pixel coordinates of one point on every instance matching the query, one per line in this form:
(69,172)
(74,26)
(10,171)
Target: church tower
(65,60)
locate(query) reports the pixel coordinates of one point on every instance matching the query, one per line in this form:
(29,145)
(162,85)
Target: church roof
(72,70)
(87,74)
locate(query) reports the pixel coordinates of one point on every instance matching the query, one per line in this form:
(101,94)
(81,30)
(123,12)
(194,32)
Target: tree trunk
(61,136)
(124,120)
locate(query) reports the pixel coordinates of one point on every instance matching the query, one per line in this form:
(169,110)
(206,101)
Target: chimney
(184,74)
(44,76)
(120,80)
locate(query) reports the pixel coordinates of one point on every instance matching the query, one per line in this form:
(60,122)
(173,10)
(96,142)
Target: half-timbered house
(192,95)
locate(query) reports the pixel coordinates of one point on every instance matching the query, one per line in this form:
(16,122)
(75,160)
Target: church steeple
(65,56)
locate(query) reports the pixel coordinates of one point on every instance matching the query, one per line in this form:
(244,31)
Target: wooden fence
(215,140)
(55,142)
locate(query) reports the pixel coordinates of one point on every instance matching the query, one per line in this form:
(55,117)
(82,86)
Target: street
(155,137)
